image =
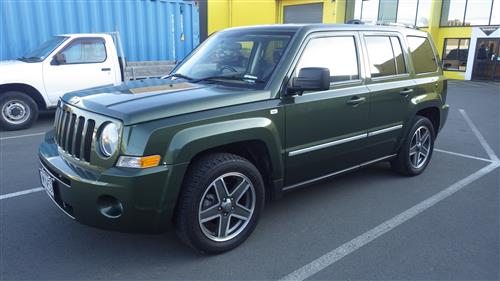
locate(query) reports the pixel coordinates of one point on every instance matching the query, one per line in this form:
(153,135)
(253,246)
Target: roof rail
(356,21)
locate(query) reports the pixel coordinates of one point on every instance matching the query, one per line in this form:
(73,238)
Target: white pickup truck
(62,64)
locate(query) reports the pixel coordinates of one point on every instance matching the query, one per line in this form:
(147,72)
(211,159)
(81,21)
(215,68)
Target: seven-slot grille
(74,133)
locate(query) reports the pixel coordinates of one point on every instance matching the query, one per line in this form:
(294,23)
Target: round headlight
(108,141)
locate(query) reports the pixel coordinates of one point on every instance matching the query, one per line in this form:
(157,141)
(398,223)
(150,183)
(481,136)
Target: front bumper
(147,196)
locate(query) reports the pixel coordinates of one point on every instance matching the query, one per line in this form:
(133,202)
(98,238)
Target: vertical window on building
(422,55)
(406,11)
(455,54)
(398,54)
(388,10)
(338,54)
(495,13)
(478,12)
(381,57)
(453,12)
(424,12)
(369,10)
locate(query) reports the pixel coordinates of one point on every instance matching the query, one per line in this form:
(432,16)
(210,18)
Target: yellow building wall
(230,13)
(452,32)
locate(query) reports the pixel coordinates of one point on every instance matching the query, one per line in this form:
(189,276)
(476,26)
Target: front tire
(220,203)
(17,111)
(415,153)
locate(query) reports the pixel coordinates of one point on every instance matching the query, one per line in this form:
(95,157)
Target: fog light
(109,206)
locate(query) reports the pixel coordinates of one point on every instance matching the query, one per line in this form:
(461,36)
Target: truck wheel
(416,152)
(17,111)
(220,203)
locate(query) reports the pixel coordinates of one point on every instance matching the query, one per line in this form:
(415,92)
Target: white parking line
(479,136)
(335,255)
(463,155)
(22,136)
(19,193)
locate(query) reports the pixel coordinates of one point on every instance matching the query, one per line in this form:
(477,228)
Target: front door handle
(356,100)
(106,69)
(406,92)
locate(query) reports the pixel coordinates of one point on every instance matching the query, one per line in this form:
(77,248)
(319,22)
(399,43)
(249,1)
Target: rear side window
(381,56)
(422,54)
(398,54)
(385,55)
(338,54)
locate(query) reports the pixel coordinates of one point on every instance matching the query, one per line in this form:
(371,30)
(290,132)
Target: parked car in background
(251,113)
(62,64)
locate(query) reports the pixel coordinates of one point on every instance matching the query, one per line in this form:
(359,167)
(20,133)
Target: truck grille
(74,133)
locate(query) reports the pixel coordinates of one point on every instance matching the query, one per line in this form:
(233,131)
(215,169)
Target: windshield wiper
(178,75)
(245,78)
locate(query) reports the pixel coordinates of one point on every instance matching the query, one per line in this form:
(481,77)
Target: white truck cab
(62,64)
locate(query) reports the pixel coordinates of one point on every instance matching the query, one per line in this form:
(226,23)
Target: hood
(16,71)
(151,99)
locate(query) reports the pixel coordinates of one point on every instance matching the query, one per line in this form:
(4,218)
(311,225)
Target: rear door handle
(406,92)
(356,100)
(106,69)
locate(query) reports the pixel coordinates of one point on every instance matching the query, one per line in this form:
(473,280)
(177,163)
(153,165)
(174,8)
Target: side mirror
(58,59)
(310,79)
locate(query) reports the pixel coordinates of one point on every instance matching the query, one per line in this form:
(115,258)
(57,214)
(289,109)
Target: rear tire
(17,111)
(415,153)
(220,203)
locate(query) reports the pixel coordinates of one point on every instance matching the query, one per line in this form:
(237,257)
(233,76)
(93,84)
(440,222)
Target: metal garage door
(308,13)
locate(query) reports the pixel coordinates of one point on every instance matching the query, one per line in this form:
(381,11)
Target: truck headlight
(108,141)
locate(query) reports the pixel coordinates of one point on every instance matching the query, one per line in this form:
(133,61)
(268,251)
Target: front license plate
(47,182)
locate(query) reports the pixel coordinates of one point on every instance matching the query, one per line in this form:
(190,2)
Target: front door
(487,60)
(83,63)
(326,130)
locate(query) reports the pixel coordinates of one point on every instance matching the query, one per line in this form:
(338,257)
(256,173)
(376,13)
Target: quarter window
(385,55)
(338,54)
(422,54)
(85,50)
(455,54)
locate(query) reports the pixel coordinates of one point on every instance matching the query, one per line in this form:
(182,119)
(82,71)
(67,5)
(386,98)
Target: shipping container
(150,30)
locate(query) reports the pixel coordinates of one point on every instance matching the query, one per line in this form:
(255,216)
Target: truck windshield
(235,57)
(42,51)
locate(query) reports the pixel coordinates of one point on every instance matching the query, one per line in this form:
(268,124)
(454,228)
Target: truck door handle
(106,69)
(356,100)
(406,92)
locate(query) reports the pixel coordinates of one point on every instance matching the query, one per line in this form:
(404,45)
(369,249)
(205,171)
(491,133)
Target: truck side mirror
(58,59)
(310,79)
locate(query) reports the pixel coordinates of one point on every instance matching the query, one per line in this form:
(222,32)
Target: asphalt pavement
(369,224)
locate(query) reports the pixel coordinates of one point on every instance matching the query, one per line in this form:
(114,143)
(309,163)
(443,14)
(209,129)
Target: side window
(382,62)
(86,50)
(398,54)
(335,53)
(422,54)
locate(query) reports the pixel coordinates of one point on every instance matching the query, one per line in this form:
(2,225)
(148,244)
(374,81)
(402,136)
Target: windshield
(43,50)
(251,57)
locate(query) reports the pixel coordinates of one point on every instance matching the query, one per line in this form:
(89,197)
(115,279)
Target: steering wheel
(229,68)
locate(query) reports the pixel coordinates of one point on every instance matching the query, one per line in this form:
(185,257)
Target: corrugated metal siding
(150,30)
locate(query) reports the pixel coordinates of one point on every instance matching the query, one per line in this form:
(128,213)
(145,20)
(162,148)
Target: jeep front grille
(74,133)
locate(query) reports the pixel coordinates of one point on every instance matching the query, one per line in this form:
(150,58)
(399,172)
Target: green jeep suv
(249,114)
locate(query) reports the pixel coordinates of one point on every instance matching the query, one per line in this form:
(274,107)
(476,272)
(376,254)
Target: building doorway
(486,60)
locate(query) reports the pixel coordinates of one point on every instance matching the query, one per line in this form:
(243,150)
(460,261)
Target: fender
(188,143)
(419,102)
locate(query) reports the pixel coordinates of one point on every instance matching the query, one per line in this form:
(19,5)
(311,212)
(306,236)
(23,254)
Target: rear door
(326,130)
(86,65)
(391,89)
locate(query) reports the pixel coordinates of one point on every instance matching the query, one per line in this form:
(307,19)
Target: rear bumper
(143,200)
